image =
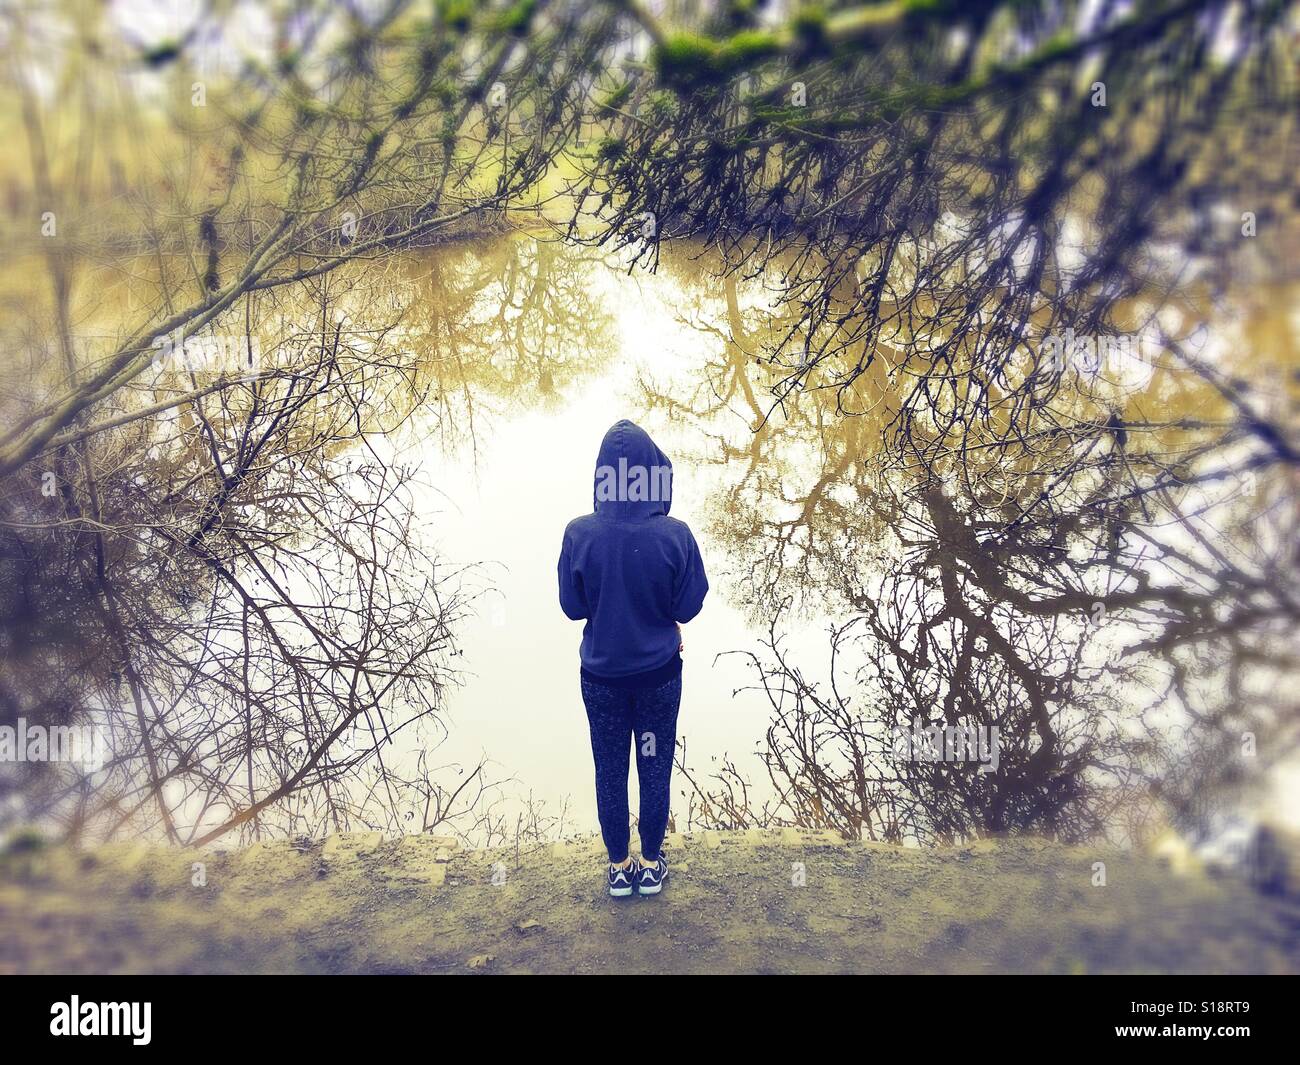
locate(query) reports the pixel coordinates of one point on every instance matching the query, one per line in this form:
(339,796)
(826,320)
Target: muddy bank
(782,901)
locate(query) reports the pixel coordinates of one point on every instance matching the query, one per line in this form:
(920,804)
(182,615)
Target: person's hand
(681,643)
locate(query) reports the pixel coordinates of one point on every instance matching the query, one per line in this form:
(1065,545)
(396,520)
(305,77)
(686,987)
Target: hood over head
(634,479)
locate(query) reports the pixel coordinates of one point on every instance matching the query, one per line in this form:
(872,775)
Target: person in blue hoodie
(635,576)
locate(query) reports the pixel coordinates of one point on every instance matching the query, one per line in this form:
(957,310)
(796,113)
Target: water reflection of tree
(255,546)
(502,326)
(1097,563)
(247,592)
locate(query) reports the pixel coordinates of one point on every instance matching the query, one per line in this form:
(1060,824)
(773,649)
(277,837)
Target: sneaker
(620,880)
(650,878)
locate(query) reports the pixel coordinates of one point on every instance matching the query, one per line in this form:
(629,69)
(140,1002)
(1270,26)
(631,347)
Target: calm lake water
(535,350)
(527,352)
(505,497)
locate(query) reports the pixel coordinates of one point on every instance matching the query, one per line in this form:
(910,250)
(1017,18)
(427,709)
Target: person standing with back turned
(635,576)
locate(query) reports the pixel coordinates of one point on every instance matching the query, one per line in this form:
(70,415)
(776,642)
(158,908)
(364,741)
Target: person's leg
(654,725)
(611,731)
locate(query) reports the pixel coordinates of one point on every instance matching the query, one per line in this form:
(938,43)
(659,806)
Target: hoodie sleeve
(692,585)
(572,599)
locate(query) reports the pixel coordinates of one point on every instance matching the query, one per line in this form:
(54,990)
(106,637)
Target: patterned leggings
(648,717)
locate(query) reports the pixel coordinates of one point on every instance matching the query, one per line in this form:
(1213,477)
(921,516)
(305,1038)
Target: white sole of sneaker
(651,890)
(619,892)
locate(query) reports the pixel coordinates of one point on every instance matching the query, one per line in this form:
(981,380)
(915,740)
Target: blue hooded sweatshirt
(628,569)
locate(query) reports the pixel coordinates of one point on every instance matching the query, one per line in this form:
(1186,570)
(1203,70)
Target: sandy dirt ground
(755,902)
